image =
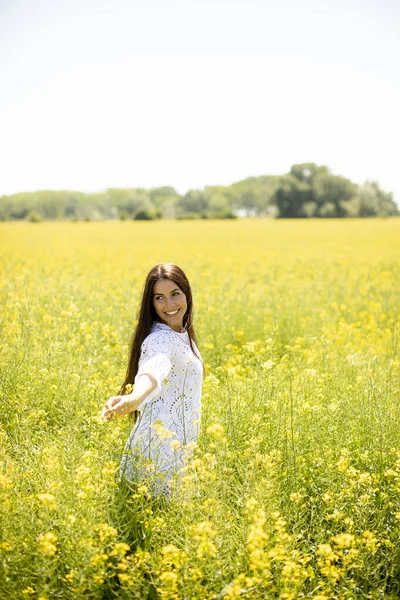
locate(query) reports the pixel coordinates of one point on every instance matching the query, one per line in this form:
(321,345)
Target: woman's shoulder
(159,334)
(160,330)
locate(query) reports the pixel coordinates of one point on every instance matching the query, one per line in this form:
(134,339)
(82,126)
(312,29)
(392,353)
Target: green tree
(307,172)
(165,200)
(131,201)
(310,190)
(291,196)
(331,190)
(193,203)
(34,217)
(370,201)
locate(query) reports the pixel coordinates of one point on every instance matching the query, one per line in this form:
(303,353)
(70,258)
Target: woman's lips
(172,313)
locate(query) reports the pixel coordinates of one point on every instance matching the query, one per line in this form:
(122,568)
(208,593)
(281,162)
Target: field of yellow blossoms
(293,490)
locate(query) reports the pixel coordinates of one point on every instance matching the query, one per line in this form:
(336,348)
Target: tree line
(307,191)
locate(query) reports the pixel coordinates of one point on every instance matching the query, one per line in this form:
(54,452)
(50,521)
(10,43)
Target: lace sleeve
(155,359)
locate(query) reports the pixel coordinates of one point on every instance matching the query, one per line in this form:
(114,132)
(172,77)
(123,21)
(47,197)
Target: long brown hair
(147,315)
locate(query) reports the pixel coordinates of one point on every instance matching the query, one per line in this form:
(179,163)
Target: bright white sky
(126,93)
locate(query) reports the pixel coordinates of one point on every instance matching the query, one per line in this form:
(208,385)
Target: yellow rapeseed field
(293,490)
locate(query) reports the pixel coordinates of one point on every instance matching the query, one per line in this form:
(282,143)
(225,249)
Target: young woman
(166,368)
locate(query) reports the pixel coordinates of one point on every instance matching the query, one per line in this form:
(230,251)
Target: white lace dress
(171,413)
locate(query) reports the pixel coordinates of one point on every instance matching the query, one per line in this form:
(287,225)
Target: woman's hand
(123,405)
(117,405)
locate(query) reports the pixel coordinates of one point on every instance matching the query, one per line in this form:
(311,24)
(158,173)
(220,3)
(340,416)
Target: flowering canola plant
(292,490)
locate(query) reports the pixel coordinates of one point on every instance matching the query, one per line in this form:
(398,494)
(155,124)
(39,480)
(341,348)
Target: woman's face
(170,303)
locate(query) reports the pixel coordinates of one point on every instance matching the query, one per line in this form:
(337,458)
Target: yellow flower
(99,419)
(370,540)
(216,430)
(162,431)
(125,579)
(48,542)
(99,559)
(327,498)
(169,578)
(326,551)
(173,556)
(48,500)
(6,546)
(5,482)
(70,577)
(204,533)
(268,365)
(295,497)
(105,531)
(235,589)
(206,549)
(344,540)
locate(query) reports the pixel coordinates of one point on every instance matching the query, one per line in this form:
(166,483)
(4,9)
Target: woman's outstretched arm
(123,405)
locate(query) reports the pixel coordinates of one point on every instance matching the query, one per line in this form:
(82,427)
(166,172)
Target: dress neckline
(158,325)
